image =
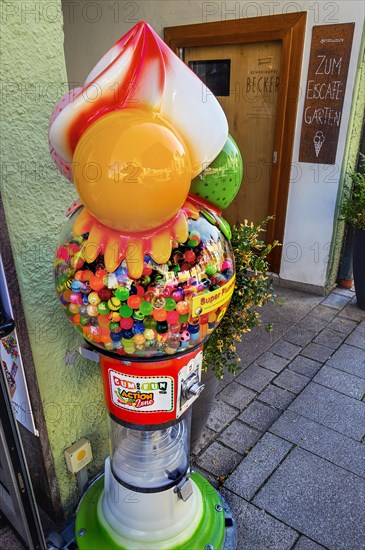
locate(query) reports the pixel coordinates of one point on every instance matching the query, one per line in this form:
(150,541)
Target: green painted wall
(349,164)
(35,196)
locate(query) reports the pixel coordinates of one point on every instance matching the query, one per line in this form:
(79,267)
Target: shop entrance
(17,500)
(253,67)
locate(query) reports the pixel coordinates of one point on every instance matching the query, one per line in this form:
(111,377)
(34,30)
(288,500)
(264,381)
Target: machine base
(216,530)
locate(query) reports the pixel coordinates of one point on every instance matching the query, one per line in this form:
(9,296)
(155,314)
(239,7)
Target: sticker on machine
(142,393)
(207,302)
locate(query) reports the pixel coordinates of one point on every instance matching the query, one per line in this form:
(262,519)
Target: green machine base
(216,529)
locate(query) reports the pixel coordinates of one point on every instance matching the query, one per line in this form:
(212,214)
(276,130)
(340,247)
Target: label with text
(140,393)
(210,301)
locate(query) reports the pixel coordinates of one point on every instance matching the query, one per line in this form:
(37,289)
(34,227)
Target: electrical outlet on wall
(78,455)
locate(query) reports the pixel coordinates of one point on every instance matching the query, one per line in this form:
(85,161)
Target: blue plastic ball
(116,336)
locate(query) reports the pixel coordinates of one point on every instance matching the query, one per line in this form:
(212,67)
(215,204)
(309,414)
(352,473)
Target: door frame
(290,30)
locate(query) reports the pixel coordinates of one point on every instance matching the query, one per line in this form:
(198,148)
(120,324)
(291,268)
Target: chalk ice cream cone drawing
(318,141)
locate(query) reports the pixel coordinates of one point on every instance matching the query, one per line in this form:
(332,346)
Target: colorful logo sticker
(142,394)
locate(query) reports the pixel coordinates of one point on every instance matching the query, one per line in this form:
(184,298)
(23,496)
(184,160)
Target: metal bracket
(184,489)
(89,353)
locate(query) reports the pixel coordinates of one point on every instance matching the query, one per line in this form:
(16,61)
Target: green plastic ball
(220,181)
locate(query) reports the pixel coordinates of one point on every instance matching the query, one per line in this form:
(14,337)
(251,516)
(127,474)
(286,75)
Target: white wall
(92,27)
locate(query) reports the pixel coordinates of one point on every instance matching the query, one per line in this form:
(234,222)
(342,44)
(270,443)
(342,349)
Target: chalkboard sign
(325,92)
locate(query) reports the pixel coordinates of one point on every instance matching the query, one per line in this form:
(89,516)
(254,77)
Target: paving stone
(304,365)
(236,395)
(258,466)
(349,359)
(322,441)
(330,338)
(336,301)
(259,416)
(277,397)
(341,324)
(319,499)
(255,377)
(324,313)
(9,540)
(307,544)
(292,381)
(220,416)
(285,349)
(356,339)
(239,437)
(257,530)
(314,323)
(254,343)
(300,336)
(208,476)
(341,381)
(227,379)
(206,437)
(332,409)
(352,312)
(272,362)
(344,291)
(318,352)
(218,460)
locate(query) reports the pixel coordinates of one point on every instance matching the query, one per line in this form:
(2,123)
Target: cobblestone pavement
(285,440)
(8,539)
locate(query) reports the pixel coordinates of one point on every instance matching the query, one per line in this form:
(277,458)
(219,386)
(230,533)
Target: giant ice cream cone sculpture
(144,269)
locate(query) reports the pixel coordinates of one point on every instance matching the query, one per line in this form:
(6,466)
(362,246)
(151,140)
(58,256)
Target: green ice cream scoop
(221,180)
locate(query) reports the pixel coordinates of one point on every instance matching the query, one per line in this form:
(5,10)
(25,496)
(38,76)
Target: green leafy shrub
(353,207)
(253,289)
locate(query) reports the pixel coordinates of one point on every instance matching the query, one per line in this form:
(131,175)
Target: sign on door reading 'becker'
(325,91)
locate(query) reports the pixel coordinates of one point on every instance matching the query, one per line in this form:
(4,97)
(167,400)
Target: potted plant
(253,289)
(353,212)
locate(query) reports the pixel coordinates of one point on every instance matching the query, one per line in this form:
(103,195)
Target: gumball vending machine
(145,272)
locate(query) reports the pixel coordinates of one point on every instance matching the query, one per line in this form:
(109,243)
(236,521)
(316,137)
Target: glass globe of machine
(145,272)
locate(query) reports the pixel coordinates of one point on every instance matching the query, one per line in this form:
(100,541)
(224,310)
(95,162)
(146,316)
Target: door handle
(7,324)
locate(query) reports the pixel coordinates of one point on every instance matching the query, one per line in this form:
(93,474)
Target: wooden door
(261,115)
(250,106)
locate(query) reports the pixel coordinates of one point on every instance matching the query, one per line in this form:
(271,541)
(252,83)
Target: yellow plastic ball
(131,170)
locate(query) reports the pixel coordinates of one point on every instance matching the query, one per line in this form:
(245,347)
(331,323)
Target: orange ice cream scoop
(132,171)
